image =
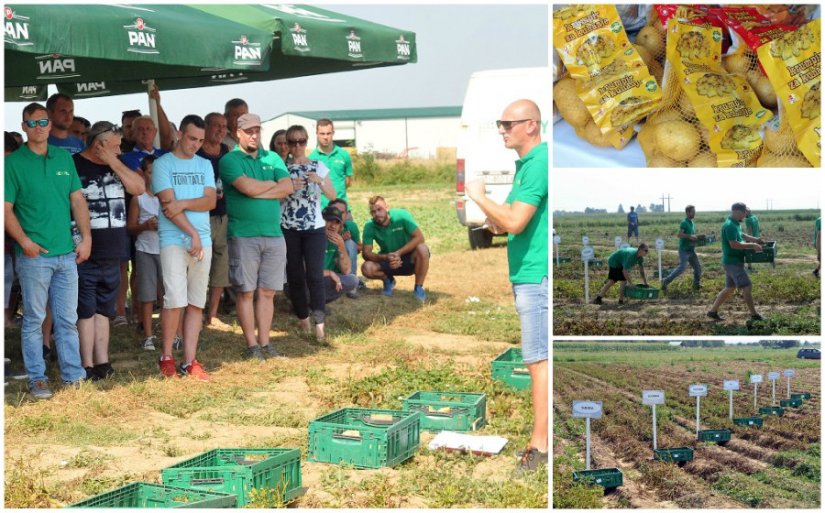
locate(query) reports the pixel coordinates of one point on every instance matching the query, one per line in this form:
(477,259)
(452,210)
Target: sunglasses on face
(297,142)
(509,124)
(31,123)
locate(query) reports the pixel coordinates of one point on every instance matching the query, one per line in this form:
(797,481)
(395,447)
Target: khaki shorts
(219,272)
(257,262)
(185,278)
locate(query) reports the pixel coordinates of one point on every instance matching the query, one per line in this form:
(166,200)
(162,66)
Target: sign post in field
(789,373)
(697,391)
(617,241)
(755,379)
(587,256)
(587,410)
(660,245)
(773,376)
(556,242)
(652,398)
(730,385)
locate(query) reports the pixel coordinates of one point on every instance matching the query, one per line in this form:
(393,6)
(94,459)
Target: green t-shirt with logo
(352,228)
(688,228)
(331,259)
(251,217)
(339,164)
(625,258)
(732,230)
(39,187)
(527,252)
(393,236)
(752,222)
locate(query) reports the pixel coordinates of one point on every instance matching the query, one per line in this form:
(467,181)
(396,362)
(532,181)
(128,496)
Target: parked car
(809,354)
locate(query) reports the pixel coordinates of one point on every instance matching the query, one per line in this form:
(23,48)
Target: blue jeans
(531,305)
(685,257)
(52,280)
(352,251)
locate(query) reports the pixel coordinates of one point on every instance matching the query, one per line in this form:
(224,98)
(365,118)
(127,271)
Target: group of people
(209,209)
(735,243)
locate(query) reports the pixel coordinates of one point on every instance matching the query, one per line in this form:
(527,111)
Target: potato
(593,135)
(704,159)
(737,63)
(763,88)
(647,138)
(779,137)
(677,139)
(659,160)
(685,106)
(653,39)
(668,115)
(704,133)
(570,106)
(769,159)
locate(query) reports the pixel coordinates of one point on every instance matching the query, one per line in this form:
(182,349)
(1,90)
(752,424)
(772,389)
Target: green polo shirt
(732,230)
(39,186)
(331,258)
(688,228)
(752,222)
(339,164)
(251,217)
(527,252)
(352,228)
(393,236)
(625,258)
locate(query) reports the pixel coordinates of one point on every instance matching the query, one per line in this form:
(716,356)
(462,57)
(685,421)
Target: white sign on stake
(587,409)
(585,240)
(624,245)
(617,241)
(650,397)
(698,390)
(773,376)
(587,255)
(730,385)
(556,239)
(660,244)
(789,373)
(756,378)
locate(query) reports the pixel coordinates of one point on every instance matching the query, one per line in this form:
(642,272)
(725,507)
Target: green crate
(705,240)
(772,410)
(675,454)
(153,495)
(448,411)
(767,255)
(748,421)
(714,435)
(351,436)
(791,403)
(605,477)
(641,292)
(802,395)
(509,368)
(238,471)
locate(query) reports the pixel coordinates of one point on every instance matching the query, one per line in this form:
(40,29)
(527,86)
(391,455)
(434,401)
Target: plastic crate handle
(346,439)
(211,481)
(520,371)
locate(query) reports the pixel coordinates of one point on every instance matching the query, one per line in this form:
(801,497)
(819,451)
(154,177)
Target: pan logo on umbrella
(354,45)
(16,28)
(141,38)
(402,48)
(53,66)
(90,89)
(299,38)
(247,53)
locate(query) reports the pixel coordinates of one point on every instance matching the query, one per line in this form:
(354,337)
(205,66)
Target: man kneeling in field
(620,263)
(402,249)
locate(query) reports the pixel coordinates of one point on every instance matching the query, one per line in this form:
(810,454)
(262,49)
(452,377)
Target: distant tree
(641,209)
(621,209)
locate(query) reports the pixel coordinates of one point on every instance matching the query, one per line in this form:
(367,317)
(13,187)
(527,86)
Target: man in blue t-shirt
(61,113)
(633,224)
(185,185)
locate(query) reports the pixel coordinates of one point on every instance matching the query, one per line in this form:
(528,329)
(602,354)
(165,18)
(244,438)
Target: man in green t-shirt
(402,251)
(334,157)
(42,194)
(620,262)
(818,244)
(734,245)
(752,225)
(687,250)
(352,240)
(524,216)
(337,278)
(254,180)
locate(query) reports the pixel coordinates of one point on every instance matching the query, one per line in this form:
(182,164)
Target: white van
(481,152)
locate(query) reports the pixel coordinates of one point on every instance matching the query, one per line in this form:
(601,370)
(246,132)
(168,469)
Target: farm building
(420,133)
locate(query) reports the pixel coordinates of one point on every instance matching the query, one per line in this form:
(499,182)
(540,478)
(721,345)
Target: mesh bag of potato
(608,87)
(708,116)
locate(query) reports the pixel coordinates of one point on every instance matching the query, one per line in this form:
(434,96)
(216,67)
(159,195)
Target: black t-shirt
(220,204)
(106,198)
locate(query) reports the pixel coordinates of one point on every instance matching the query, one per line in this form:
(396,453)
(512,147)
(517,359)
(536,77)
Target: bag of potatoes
(708,117)
(608,87)
(793,65)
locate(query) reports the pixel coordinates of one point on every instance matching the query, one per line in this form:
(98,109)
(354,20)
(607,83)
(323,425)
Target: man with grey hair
(734,245)
(233,109)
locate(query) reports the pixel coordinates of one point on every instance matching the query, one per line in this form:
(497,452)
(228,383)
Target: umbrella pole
(153,111)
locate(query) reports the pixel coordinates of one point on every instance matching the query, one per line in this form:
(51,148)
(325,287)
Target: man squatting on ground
(524,217)
(620,263)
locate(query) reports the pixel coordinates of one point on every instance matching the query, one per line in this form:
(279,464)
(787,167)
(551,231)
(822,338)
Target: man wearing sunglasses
(61,114)
(524,217)
(43,193)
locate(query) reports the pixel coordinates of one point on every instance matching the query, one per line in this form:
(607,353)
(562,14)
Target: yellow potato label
(611,78)
(794,67)
(724,103)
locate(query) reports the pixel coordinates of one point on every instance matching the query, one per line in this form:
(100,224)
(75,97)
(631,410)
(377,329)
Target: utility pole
(668,198)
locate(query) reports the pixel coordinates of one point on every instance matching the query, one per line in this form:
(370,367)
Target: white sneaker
(149,343)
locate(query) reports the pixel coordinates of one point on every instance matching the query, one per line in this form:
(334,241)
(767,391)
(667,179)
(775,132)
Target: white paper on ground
(570,151)
(476,444)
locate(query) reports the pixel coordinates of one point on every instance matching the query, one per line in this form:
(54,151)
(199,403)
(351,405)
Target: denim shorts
(532,306)
(736,276)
